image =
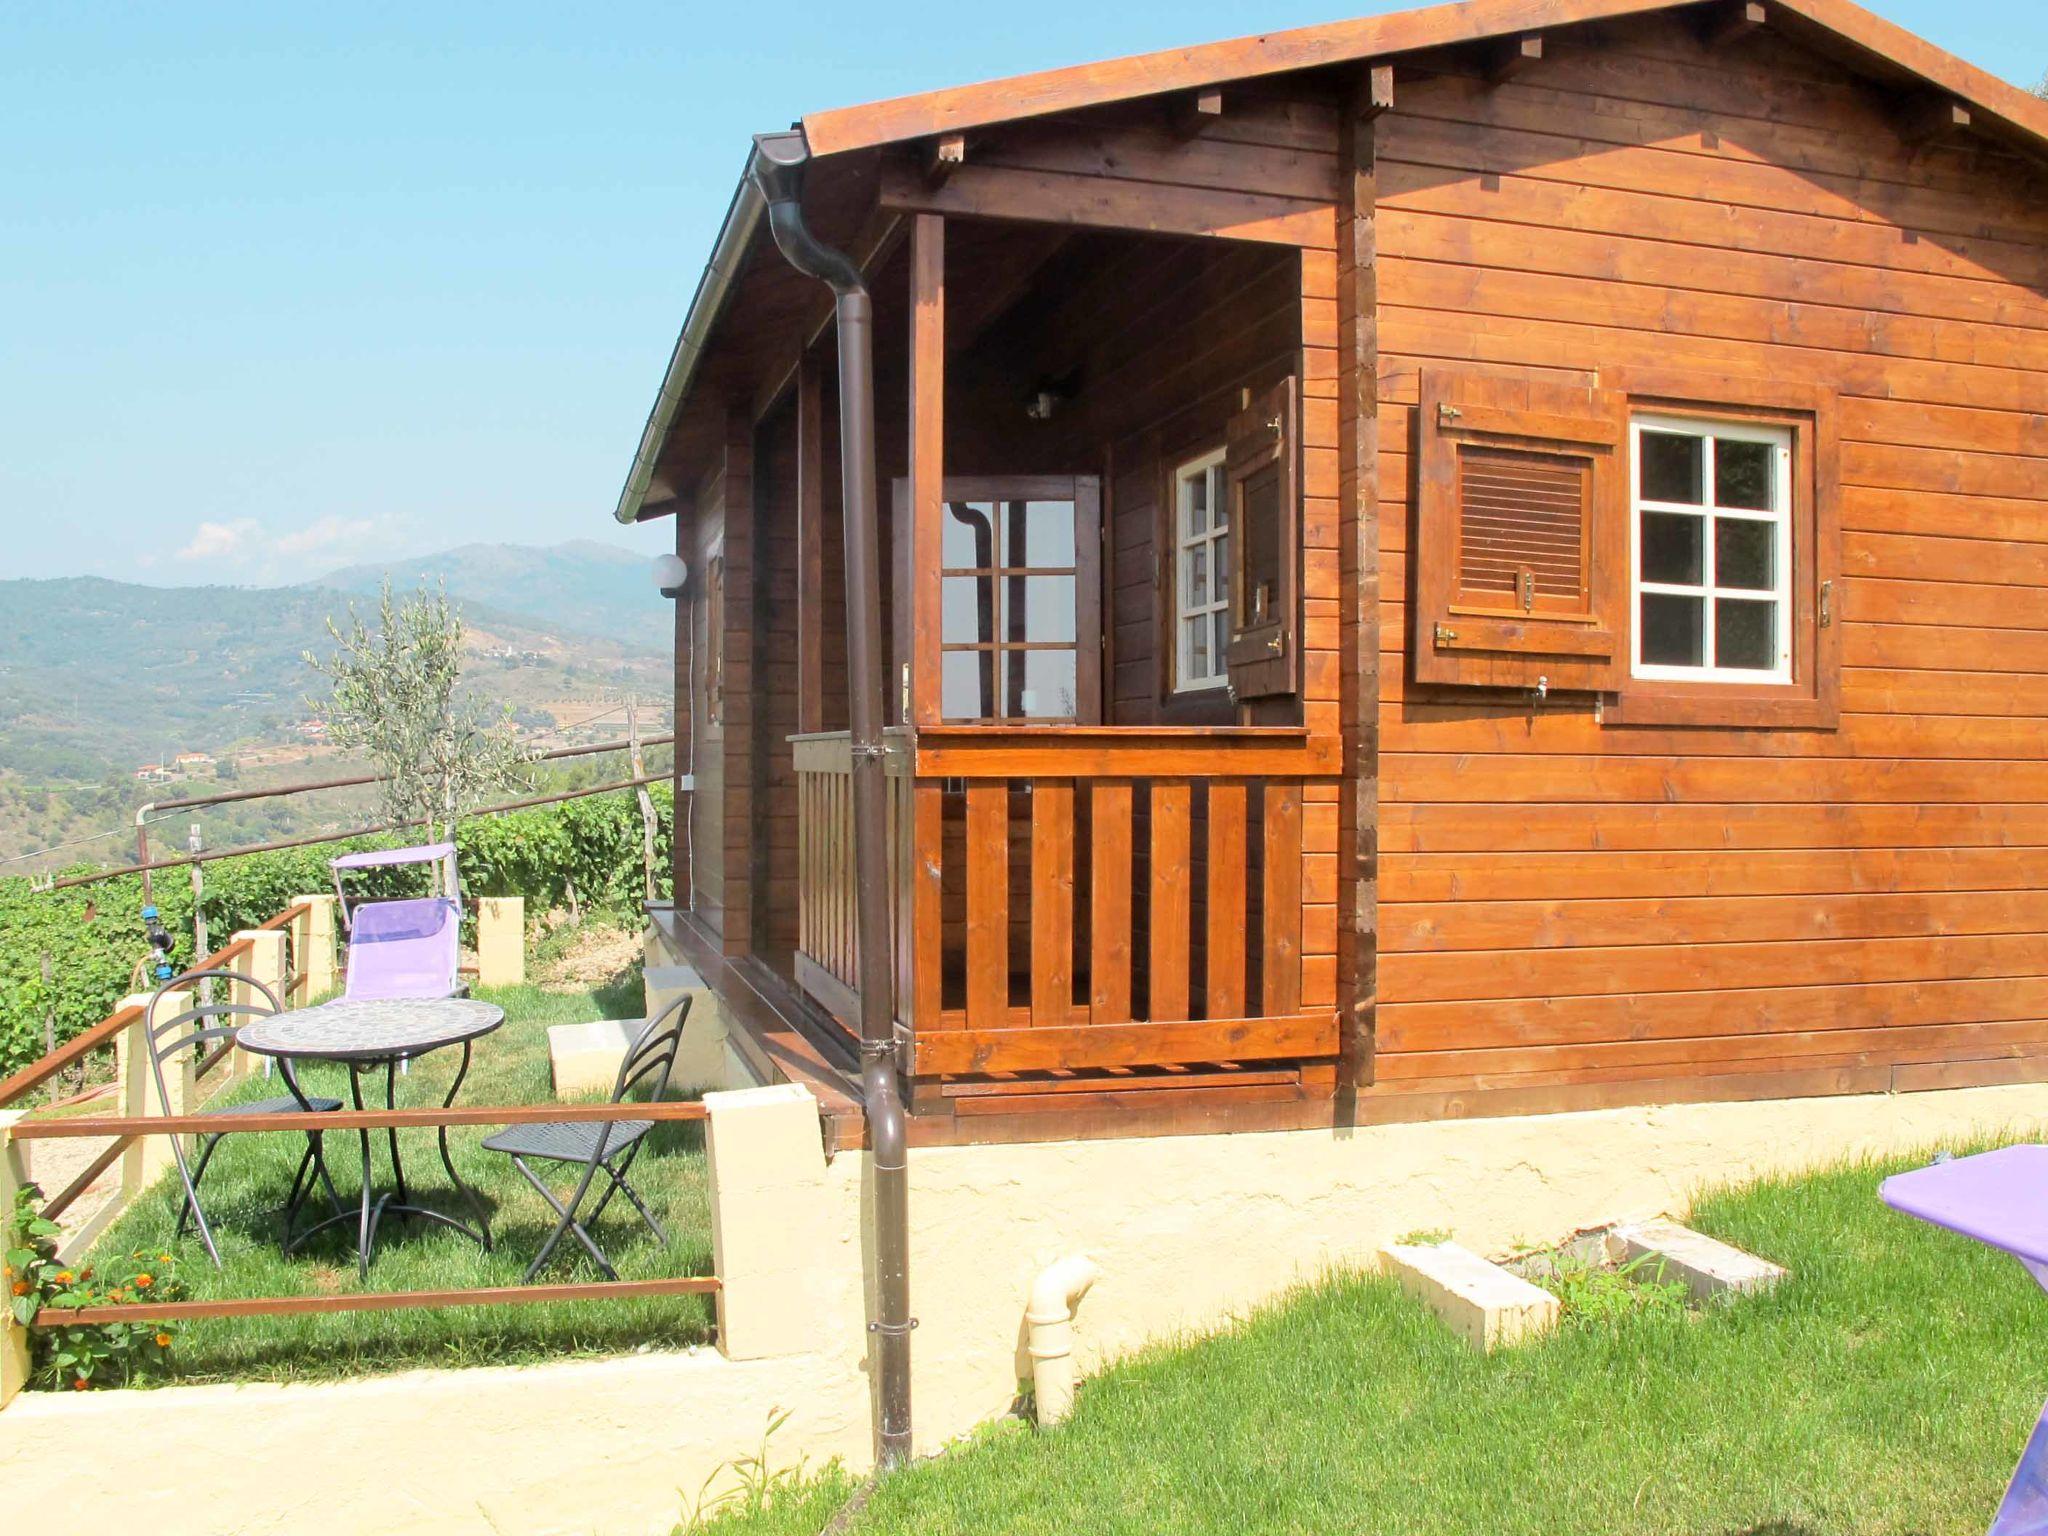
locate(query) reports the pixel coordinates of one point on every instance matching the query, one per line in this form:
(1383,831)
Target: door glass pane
(1195,645)
(968,684)
(1673,467)
(968,535)
(1673,630)
(1219,645)
(1745,553)
(1041,533)
(1742,474)
(1671,548)
(1050,684)
(1222,548)
(1745,633)
(1041,608)
(1195,500)
(968,605)
(1198,576)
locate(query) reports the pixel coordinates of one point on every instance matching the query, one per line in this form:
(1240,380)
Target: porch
(1111,596)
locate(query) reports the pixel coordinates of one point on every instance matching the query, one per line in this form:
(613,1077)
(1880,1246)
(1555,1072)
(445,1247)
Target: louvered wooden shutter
(1262,484)
(1520,534)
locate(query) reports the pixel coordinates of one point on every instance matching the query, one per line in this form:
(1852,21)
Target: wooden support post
(1729,23)
(14,1351)
(1359,562)
(313,947)
(1195,111)
(927,456)
(941,155)
(501,941)
(1508,58)
(148,1156)
(810,545)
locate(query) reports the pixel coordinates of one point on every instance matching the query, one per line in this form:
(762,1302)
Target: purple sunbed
(1998,1199)
(400,949)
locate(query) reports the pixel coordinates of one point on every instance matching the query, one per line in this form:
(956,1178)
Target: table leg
(366,1226)
(476,1208)
(2024,1510)
(391,1132)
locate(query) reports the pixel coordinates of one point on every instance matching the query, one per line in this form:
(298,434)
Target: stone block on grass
(584,1058)
(1711,1269)
(1484,1304)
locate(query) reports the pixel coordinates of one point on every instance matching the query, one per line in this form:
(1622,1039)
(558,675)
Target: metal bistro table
(360,1034)
(2000,1199)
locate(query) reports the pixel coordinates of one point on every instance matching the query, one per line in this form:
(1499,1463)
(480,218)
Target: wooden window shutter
(1521,536)
(1262,479)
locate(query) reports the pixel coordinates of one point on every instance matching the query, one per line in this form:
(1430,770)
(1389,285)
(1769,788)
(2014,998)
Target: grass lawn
(245,1189)
(1887,1388)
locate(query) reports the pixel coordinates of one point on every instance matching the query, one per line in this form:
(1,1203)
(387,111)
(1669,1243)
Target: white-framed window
(1710,550)
(1201,579)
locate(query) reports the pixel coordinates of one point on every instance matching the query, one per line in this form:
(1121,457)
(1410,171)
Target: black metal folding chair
(601,1146)
(191,1029)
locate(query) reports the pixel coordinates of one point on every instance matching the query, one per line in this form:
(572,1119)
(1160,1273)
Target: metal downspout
(777,169)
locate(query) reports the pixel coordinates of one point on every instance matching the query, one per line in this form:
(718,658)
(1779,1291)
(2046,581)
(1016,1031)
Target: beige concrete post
(701,1055)
(149,1156)
(770,1211)
(268,961)
(501,941)
(14,1356)
(313,947)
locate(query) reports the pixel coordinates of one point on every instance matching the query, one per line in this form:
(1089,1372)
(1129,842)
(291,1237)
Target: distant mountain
(98,677)
(592,588)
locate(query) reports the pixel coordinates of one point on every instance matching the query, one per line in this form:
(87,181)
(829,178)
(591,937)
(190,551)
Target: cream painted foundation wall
(1189,1232)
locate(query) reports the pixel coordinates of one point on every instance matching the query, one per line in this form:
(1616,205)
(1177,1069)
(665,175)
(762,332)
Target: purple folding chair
(408,948)
(1998,1199)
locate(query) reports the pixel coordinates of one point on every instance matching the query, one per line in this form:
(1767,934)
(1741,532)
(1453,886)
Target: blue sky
(289,286)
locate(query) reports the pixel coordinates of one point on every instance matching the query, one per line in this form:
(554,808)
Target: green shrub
(584,853)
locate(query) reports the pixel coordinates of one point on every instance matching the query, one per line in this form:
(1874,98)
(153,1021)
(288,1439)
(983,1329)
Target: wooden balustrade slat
(928,904)
(1052,900)
(1109,902)
(1225,949)
(1172,812)
(988,904)
(1281,963)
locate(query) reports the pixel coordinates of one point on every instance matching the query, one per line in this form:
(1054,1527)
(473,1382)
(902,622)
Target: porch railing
(1077,898)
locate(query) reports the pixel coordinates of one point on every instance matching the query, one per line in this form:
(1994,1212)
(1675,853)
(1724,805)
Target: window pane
(1745,553)
(1673,467)
(1219,644)
(1041,533)
(1218,509)
(1194,642)
(1198,577)
(1194,495)
(1742,474)
(1040,608)
(1259,525)
(1745,634)
(967,538)
(967,603)
(1673,630)
(1672,548)
(967,684)
(1222,548)
(1050,684)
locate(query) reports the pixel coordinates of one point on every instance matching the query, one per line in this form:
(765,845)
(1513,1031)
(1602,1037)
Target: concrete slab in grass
(1710,1268)
(1482,1303)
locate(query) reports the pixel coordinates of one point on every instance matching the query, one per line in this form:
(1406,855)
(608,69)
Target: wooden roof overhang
(752,314)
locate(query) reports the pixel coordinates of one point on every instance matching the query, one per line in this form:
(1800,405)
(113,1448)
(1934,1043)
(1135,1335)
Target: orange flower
(63,1277)
(163,1341)
(163,1258)
(80,1384)
(144,1282)
(117,1294)
(21,1287)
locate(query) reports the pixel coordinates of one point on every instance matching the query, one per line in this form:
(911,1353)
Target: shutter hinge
(1827,604)
(1525,582)
(1447,413)
(1446,635)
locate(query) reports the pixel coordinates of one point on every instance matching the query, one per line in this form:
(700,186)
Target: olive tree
(392,697)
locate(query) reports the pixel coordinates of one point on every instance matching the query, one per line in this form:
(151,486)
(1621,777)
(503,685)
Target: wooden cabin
(1480,560)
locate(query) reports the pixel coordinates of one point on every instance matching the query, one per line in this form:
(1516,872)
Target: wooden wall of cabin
(1568,906)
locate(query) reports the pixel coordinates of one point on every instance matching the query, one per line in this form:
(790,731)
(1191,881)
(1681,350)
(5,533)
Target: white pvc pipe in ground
(1050,1317)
